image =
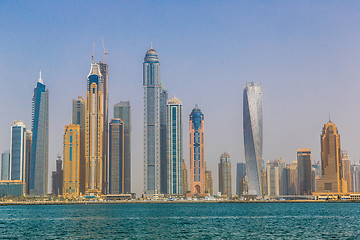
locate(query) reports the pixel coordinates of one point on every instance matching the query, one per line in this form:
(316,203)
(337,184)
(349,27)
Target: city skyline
(296,89)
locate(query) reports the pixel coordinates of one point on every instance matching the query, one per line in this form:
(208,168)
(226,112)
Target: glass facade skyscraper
(175,147)
(122,110)
(253,136)
(304,173)
(155,99)
(116,157)
(240,178)
(78,118)
(18,151)
(5,165)
(40,140)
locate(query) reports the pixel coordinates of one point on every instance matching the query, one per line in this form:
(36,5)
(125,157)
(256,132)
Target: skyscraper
(292,185)
(304,174)
(332,173)
(272,178)
(197,153)
(208,183)
(346,169)
(240,178)
(122,110)
(18,151)
(57,178)
(225,175)
(253,136)
(5,165)
(185,182)
(28,159)
(94,124)
(175,146)
(116,157)
(71,171)
(155,98)
(355,177)
(104,69)
(78,118)
(40,140)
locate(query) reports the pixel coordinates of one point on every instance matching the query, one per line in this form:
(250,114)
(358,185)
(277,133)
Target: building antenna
(105,51)
(151,45)
(329,118)
(92,54)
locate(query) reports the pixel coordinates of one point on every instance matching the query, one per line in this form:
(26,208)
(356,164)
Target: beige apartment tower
(71,157)
(332,180)
(94,119)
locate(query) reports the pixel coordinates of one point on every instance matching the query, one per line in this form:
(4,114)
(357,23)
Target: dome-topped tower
(151,56)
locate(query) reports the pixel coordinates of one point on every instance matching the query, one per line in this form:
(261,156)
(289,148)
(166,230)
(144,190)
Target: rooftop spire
(40,79)
(151,45)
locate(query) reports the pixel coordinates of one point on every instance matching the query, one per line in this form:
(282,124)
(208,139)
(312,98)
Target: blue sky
(306,55)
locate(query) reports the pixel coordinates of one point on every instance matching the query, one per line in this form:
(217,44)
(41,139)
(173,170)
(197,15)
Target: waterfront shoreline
(162,202)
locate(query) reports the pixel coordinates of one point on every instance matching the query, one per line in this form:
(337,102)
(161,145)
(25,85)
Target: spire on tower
(151,45)
(40,79)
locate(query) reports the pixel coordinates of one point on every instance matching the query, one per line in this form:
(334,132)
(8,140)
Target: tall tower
(304,173)
(253,136)
(57,178)
(116,157)
(5,165)
(175,146)
(345,161)
(197,153)
(122,110)
(40,140)
(104,70)
(27,159)
(94,123)
(71,170)
(332,173)
(185,182)
(240,178)
(78,118)
(225,175)
(155,98)
(18,151)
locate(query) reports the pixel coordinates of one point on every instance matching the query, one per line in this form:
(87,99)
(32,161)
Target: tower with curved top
(197,153)
(253,136)
(94,124)
(155,144)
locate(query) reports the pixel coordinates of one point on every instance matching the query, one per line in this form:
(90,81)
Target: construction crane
(92,54)
(105,51)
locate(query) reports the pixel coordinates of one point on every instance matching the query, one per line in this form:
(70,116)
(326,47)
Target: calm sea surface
(183,221)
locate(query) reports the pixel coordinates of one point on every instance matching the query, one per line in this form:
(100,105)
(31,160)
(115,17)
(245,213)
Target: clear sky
(305,53)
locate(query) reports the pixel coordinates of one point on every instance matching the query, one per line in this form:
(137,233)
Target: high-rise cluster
(27,160)
(97,151)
